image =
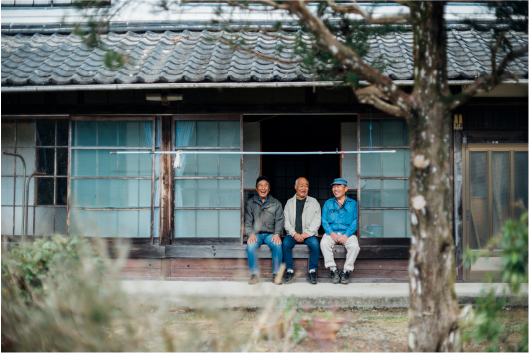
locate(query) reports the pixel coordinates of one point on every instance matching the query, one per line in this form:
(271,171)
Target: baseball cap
(341,181)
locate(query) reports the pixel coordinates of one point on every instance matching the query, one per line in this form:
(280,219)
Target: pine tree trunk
(433,309)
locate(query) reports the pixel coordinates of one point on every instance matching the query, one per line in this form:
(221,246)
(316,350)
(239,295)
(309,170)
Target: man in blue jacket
(339,218)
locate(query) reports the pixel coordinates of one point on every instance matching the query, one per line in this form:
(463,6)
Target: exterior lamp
(164,98)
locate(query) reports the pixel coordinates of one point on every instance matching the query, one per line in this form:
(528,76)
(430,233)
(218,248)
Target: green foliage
(54,298)
(29,264)
(483,319)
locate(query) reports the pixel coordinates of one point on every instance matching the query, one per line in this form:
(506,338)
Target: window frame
(210,240)
(32,210)
(489,149)
(152,148)
(382,240)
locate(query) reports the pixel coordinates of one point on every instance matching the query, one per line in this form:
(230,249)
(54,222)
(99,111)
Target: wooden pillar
(166,182)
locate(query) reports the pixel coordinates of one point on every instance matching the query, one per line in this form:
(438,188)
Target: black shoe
(311,277)
(290,277)
(274,279)
(335,275)
(254,279)
(344,278)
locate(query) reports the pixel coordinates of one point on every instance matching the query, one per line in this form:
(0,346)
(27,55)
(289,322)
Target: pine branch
(354,8)
(374,96)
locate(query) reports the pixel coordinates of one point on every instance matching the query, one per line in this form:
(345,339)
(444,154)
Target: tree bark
(433,312)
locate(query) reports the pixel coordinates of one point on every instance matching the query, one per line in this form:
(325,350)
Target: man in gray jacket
(302,221)
(263,223)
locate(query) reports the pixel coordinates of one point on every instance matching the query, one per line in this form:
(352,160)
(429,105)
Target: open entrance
(300,133)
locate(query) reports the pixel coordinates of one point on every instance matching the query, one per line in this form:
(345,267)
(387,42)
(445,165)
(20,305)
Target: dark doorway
(296,134)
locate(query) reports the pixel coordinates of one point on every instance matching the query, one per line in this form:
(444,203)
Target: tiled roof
(186,56)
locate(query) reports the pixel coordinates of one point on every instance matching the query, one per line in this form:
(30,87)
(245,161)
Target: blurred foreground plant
(54,298)
(482,321)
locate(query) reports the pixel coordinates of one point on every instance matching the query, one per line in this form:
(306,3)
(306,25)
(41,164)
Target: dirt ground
(366,330)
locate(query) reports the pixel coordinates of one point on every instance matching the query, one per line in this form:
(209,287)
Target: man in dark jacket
(263,223)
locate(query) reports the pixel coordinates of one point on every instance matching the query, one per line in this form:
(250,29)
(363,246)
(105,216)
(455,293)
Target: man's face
(302,188)
(339,190)
(263,188)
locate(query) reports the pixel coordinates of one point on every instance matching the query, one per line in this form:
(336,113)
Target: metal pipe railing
(24,206)
(27,194)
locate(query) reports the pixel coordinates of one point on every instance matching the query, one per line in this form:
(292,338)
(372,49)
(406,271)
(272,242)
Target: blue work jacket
(340,220)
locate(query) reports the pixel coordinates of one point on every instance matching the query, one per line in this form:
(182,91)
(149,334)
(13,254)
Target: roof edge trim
(185,85)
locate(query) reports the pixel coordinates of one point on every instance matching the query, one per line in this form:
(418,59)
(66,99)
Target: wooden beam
(166,182)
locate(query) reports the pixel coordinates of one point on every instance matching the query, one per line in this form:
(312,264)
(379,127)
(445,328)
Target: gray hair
(303,178)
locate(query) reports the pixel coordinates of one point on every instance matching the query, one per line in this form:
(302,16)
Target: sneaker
(335,275)
(311,277)
(344,279)
(290,277)
(254,279)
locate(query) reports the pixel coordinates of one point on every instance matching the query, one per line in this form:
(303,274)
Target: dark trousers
(314,247)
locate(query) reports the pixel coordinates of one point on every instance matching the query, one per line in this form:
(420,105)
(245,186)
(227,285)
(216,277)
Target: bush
(483,320)
(54,298)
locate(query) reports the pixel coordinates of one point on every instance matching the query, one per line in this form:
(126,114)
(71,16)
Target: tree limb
(374,96)
(491,80)
(349,58)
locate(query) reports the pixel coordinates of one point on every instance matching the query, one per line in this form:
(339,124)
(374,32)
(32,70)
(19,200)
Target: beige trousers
(351,246)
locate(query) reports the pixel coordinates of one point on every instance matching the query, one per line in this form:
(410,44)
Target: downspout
(24,206)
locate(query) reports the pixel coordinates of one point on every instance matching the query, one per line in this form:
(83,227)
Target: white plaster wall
(349,143)
(251,163)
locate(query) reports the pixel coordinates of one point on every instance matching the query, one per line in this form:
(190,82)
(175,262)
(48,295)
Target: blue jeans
(253,252)
(314,248)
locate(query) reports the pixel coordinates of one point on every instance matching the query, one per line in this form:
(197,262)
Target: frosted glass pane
(25,133)
(500,190)
(8,162)
(207,193)
(29,157)
(60,220)
(112,133)
(230,223)
(229,132)
(186,133)
(102,163)
(207,133)
(210,165)
(126,224)
(520,183)
(386,164)
(43,221)
(119,193)
(391,132)
(18,221)
(7,220)
(207,223)
(229,165)
(385,193)
(385,224)
(8,190)
(8,133)
(229,193)
(31,191)
(478,200)
(185,224)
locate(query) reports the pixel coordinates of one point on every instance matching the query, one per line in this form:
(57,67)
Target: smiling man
(263,223)
(302,221)
(339,218)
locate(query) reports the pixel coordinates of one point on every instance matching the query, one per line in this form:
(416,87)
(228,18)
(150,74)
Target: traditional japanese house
(63,112)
